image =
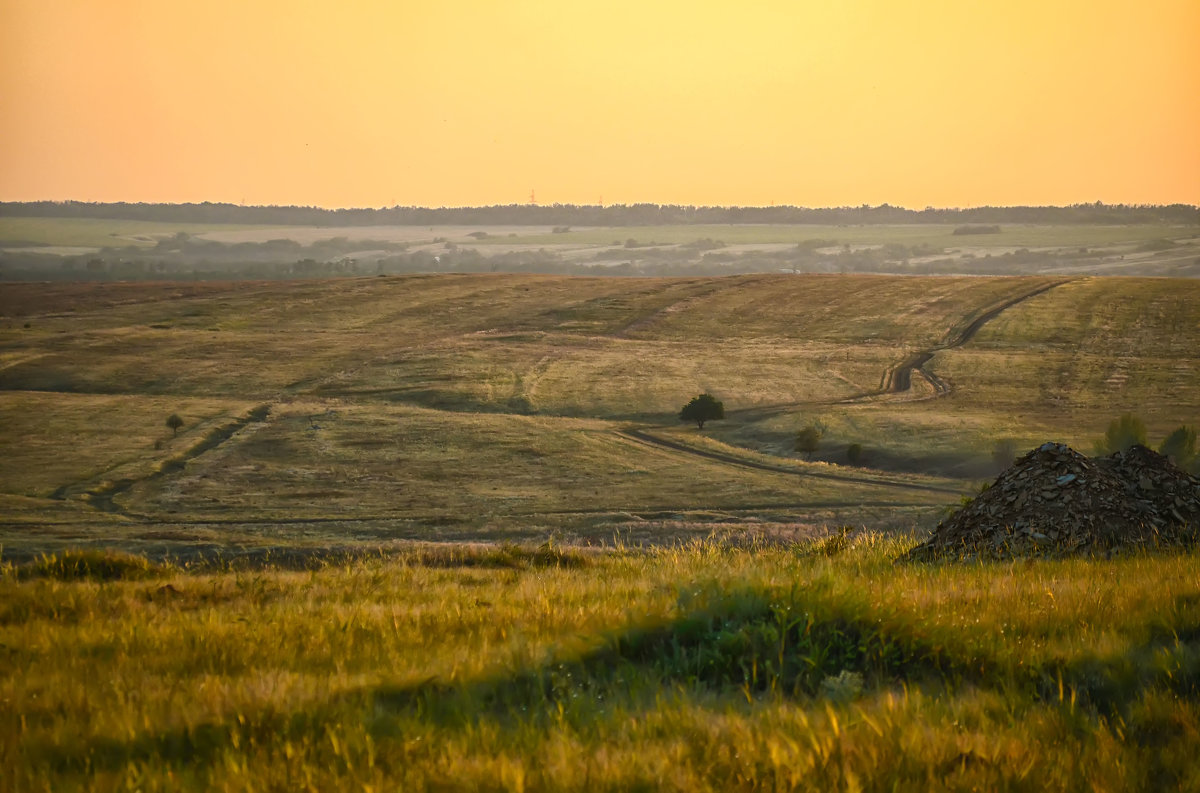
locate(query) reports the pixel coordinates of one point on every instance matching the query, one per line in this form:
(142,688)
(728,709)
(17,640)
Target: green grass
(703,667)
(96,232)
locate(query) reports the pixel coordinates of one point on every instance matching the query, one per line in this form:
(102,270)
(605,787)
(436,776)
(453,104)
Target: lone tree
(174,422)
(808,440)
(703,408)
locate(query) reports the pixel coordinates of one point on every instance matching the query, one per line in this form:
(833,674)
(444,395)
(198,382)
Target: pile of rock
(1057,502)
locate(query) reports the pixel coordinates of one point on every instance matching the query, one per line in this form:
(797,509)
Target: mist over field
(72,241)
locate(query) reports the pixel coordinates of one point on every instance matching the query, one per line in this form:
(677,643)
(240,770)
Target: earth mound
(1054,501)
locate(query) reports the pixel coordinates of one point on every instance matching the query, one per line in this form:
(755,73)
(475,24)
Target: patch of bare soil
(1054,501)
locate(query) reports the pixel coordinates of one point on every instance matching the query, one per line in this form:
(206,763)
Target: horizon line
(318,207)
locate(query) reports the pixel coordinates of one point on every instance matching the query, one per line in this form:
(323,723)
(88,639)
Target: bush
(808,440)
(73,565)
(1122,433)
(1180,446)
(854,453)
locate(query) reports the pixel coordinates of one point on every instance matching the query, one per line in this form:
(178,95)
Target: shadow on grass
(745,644)
(747,641)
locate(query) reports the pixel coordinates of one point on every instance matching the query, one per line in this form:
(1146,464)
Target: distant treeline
(563,215)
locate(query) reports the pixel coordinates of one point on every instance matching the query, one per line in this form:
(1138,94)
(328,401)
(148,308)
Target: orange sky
(457,102)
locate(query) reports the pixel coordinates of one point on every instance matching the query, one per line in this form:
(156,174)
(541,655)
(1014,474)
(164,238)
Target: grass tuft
(100,565)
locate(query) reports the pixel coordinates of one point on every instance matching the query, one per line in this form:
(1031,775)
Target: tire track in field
(101,493)
(898,379)
(642,436)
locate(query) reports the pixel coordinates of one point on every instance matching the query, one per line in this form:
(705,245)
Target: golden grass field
(702,667)
(446,532)
(475,406)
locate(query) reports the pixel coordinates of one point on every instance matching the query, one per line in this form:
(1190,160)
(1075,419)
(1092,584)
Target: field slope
(493,406)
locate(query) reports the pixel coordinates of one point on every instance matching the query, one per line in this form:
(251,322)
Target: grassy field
(37,249)
(101,232)
(941,236)
(446,532)
(703,667)
(95,232)
(489,406)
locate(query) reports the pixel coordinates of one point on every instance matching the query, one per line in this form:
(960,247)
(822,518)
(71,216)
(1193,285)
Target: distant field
(1011,235)
(95,232)
(491,406)
(113,233)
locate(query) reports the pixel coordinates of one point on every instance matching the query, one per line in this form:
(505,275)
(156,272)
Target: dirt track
(898,379)
(644,437)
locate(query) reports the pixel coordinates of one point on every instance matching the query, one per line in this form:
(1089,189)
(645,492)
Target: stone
(1067,504)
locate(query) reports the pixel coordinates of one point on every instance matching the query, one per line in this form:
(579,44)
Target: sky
(356,103)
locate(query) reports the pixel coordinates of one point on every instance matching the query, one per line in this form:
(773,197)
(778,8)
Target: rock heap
(1056,502)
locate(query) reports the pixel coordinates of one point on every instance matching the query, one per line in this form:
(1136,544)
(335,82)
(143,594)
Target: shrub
(1122,433)
(1180,446)
(72,565)
(808,440)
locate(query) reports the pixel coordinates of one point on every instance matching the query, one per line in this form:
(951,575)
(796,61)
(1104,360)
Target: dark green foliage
(1180,446)
(786,643)
(703,408)
(174,422)
(854,453)
(101,565)
(808,440)
(1122,433)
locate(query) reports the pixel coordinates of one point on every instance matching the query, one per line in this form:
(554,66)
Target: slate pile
(1054,501)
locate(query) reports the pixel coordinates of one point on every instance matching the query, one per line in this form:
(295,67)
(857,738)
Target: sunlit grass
(691,668)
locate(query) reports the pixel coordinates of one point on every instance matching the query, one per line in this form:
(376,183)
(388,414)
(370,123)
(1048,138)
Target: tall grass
(699,667)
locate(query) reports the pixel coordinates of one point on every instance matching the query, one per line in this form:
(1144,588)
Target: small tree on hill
(808,440)
(174,422)
(1123,432)
(1180,446)
(854,453)
(702,408)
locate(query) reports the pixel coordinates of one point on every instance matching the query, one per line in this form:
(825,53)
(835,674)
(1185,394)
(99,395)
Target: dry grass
(494,403)
(698,668)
